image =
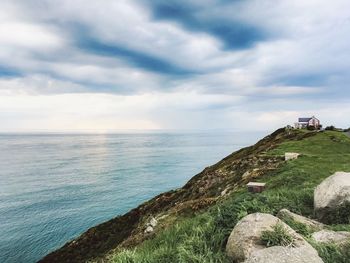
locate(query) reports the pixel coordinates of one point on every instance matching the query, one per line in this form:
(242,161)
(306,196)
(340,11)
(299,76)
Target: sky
(178,65)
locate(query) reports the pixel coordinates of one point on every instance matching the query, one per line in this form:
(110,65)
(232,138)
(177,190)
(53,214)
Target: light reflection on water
(54,187)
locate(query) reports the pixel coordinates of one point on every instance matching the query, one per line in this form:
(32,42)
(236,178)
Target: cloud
(234,34)
(192,62)
(133,57)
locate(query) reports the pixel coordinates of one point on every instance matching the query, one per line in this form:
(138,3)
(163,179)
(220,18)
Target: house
(311,122)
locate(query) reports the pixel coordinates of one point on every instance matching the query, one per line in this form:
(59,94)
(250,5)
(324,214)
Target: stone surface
(329,236)
(224,192)
(245,238)
(153,222)
(310,223)
(331,193)
(291,156)
(149,229)
(278,254)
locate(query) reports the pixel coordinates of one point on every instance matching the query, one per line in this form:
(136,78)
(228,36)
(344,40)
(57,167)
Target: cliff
(215,189)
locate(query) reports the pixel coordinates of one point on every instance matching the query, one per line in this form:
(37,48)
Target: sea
(53,187)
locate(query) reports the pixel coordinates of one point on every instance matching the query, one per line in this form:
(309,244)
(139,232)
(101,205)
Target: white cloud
(264,84)
(23,35)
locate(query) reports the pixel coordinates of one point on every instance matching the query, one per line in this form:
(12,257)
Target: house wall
(314,122)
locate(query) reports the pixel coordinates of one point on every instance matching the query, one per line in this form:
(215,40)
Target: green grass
(203,237)
(330,253)
(278,236)
(194,240)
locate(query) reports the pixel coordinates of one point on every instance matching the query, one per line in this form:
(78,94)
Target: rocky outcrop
(311,224)
(328,236)
(245,245)
(333,192)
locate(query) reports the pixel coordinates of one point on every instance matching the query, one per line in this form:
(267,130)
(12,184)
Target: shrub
(330,128)
(279,236)
(310,128)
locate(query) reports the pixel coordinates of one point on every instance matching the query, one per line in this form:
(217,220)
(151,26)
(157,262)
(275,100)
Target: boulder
(313,225)
(279,254)
(328,236)
(333,192)
(244,243)
(291,156)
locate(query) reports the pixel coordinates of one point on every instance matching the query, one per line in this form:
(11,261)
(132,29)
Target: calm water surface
(54,187)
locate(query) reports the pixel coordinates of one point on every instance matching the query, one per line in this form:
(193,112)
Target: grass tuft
(278,236)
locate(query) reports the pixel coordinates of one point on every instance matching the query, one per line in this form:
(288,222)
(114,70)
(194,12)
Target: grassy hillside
(202,237)
(195,221)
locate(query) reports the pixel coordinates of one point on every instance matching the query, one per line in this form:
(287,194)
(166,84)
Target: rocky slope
(202,191)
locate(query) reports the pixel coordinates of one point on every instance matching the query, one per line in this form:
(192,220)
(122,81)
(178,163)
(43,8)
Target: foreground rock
(333,192)
(328,236)
(279,254)
(245,245)
(313,225)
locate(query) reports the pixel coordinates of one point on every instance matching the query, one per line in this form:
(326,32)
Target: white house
(312,122)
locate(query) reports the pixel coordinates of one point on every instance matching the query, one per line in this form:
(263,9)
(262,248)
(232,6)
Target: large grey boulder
(313,225)
(245,245)
(328,236)
(331,193)
(279,254)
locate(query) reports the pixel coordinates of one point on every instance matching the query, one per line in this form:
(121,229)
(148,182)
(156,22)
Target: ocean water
(53,187)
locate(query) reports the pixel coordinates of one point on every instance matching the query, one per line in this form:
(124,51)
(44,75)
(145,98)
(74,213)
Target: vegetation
(278,236)
(300,228)
(330,253)
(202,238)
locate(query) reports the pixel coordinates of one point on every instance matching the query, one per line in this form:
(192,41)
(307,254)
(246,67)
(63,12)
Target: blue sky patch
(234,34)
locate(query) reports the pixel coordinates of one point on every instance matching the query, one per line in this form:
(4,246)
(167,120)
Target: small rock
(149,229)
(329,236)
(153,222)
(291,156)
(224,192)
